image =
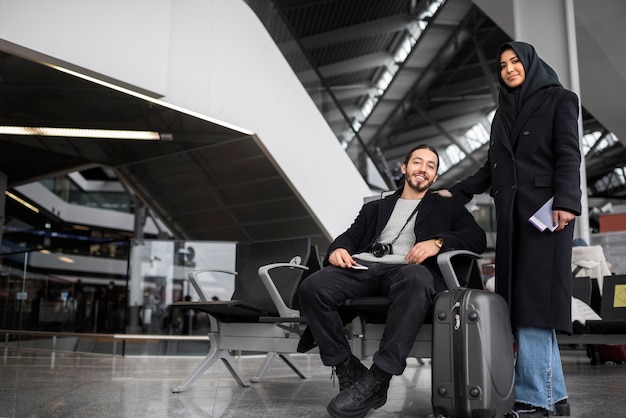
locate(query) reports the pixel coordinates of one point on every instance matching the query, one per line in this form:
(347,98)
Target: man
(389,250)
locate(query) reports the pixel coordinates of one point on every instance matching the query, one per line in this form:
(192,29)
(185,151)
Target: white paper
(542,219)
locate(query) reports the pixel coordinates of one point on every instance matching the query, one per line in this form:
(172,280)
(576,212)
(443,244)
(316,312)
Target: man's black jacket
(436,217)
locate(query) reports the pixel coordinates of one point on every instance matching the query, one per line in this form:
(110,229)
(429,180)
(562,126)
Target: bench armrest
(193,279)
(444,260)
(264,274)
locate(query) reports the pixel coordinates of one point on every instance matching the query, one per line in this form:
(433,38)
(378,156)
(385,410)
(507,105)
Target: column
(551,28)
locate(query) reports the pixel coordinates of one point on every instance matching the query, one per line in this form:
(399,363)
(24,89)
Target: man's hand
(341,258)
(421,251)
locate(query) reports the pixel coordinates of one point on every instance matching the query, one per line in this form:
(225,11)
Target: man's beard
(417,187)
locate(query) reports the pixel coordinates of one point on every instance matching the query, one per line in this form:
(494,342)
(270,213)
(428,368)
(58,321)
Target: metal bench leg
(227,359)
(266,364)
(214,354)
(294,366)
(286,358)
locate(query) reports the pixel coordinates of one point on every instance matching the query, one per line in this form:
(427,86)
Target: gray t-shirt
(405,241)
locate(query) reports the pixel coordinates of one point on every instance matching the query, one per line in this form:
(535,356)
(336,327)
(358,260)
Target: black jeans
(410,288)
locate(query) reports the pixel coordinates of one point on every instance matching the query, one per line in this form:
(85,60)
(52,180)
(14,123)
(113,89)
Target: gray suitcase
(473,370)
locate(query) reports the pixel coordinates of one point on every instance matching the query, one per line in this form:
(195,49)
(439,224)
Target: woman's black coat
(541,160)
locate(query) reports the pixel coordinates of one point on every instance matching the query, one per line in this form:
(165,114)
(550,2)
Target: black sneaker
(360,398)
(562,408)
(349,372)
(524,410)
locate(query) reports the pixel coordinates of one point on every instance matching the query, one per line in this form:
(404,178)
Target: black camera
(379,249)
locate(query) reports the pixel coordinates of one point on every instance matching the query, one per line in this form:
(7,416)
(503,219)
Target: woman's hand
(444,193)
(562,219)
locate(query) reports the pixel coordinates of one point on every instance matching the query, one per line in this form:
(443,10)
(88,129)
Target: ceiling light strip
(153,100)
(22,201)
(80,133)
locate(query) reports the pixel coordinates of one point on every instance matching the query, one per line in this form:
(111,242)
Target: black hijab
(539,75)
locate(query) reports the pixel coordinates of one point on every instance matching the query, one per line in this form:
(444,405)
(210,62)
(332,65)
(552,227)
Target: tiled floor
(45,384)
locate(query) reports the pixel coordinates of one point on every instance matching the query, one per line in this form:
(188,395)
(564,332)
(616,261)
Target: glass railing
(66,190)
(46,294)
(19,240)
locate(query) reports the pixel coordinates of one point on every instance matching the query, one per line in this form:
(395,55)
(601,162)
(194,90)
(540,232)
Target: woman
(533,156)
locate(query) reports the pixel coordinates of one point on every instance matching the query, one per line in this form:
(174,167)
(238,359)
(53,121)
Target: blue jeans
(539,377)
(410,288)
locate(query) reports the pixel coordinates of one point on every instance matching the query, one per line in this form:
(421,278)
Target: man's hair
(421,146)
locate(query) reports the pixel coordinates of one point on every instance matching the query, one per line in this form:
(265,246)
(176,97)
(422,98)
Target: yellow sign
(619,301)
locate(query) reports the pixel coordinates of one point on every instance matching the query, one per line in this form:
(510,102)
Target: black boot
(356,401)
(349,372)
(524,410)
(562,408)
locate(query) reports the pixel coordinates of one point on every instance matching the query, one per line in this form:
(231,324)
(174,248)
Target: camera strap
(406,223)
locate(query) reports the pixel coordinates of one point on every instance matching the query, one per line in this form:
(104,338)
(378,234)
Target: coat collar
(526,112)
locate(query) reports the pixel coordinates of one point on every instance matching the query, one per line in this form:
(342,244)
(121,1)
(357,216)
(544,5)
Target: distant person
(81,307)
(188,315)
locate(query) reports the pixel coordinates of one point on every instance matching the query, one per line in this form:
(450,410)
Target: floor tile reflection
(45,384)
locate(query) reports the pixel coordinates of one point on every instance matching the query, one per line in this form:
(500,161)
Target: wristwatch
(439,242)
